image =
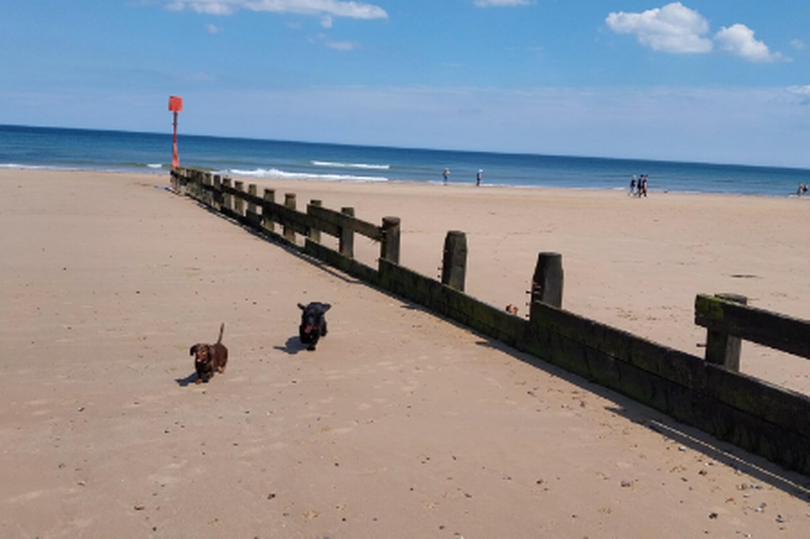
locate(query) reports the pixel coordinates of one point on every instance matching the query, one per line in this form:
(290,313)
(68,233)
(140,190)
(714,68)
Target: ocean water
(79,149)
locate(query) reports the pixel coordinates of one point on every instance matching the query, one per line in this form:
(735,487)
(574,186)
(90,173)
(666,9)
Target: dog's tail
(221,330)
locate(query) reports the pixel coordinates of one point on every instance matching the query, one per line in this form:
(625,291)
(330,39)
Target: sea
(24,147)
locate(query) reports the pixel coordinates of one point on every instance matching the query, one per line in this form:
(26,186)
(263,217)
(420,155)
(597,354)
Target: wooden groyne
(707,392)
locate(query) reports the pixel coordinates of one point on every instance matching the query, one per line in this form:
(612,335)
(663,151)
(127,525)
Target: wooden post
(252,210)
(454,261)
(189,190)
(226,197)
(346,242)
(389,247)
(289,201)
(547,283)
(197,191)
(208,195)
(253,192)
(239,202)
(721,348)
(218,192)
(314,233)
(267,222)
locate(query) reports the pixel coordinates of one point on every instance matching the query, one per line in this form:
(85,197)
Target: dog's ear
(326,306)
(193,350)
(301,307)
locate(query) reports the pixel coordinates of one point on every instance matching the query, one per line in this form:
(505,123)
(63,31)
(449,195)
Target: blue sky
(724,81)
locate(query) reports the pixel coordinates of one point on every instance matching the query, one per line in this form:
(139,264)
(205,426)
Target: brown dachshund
(209,358)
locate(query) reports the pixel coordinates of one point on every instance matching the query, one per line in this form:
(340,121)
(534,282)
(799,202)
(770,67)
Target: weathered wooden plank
(547,282)
(337,260)
(748,429)
(294,220)
(244,196)
(721,348)
(770,329)
(674,365)
(391,235)
(454,260)
(324,226)
(346,221)
(777,405)
(314,233)
(451,303)
(289,203)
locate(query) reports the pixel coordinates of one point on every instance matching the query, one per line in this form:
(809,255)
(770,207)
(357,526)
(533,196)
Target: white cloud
(343,46)
(212,29)
(501,3)
(326,21)
(798,44)
(801,91)
(333,8)
(739,40)
(672,28)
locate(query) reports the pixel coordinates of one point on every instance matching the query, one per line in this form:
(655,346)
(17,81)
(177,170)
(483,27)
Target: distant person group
(638,187)
(478,177)
(802,190)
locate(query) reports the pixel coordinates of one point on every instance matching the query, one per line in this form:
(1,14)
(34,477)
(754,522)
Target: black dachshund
(313,323)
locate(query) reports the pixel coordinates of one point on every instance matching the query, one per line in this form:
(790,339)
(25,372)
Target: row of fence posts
(547,287)
(547,282)
(390,247)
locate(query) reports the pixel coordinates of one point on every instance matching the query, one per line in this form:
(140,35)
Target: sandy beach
(636,264)
(400,424)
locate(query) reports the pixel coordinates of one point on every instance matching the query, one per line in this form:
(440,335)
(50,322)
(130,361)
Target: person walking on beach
(479,177)
(642,190)
(632,186)
(446,175)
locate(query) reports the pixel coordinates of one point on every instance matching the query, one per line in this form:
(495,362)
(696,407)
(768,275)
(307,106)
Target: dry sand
(636,264)
(400,424)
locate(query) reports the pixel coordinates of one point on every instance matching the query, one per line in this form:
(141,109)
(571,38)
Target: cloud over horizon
(673,28)
(322,8)
(677,29)
(739,40)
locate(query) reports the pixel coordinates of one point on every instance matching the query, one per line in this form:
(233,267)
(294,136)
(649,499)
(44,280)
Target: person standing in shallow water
(446,175)
(479,177)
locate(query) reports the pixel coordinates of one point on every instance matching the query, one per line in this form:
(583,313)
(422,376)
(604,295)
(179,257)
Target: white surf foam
(282,175)
(350,165)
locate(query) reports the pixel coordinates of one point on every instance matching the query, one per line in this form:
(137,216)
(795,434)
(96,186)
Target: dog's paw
(311,348)
(199,381)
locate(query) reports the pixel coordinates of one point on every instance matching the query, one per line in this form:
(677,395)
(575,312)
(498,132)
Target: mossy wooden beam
(343,263)
(767,328)
(450,303)
(788,409)
(339,219)
(745,426)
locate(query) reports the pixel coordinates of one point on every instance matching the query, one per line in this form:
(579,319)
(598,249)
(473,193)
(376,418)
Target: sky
(721,81)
